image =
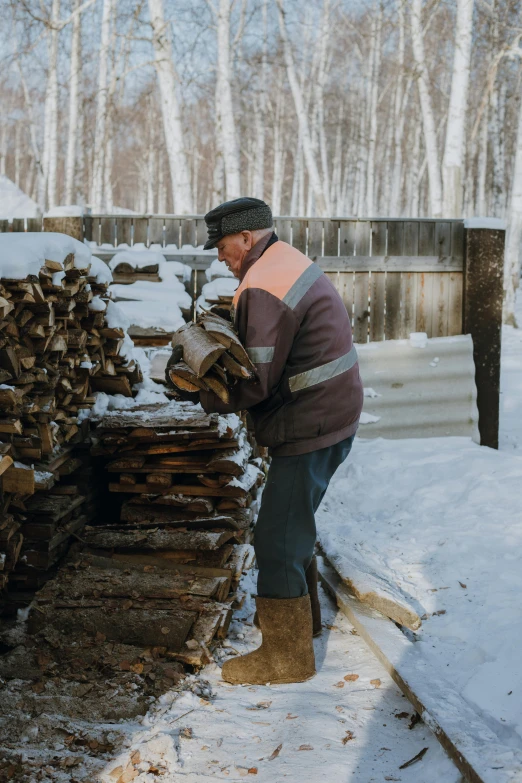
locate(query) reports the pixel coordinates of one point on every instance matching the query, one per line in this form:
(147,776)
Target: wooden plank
(123,230)
(363,230)
(409,304)
(443,239)
(331,237)
(345,288)
(19,481)
(411,238)
(156,234)
(361,307)
(188,232)
(107,231)
(457,239)
(395,245)
(283,229)
(377,286)
(18,225)
(201,232)
(424,303)
(315,238)
(393,305)
(455,303)
(4,226)
(378,238)
(440,304)
(299,226)
(347,237)
(139,231)
(459,729)
(427,239)
(392,263)
(35,224)
(172,231)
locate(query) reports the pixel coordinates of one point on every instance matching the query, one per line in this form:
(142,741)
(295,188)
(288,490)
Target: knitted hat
(232,217)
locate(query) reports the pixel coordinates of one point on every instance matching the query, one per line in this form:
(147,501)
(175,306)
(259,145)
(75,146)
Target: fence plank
(363,230)
(377,306)
(315,238)
(123,231)
(424,314)
(347,237)
(34,224)
(107,231)
(395,238)
(457,239)
(156,231)
(443,239)
(333,277)
(140,226)
(393,306)
(427,239)
(201,232)
(360,329)
(18,225)
(87,228)
(4,226)
(345,288)
(440,304)
(378,231)
(299,234)
(172,227)
(331,237)
(188,232)
(408,304)
(455,303)
(411,238)
(283,229)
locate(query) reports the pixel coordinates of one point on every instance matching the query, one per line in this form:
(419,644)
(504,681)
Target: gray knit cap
(241,214)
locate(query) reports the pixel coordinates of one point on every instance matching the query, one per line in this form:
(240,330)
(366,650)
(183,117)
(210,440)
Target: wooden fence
(395,276)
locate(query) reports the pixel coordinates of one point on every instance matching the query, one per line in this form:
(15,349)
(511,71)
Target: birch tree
(96,195)
(170,109)
(514,234)
(428,118)
(74,93)
(452,164)
(259,113)
(225,104)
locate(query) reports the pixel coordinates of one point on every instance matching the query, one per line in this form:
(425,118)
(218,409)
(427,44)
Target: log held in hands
(200,351)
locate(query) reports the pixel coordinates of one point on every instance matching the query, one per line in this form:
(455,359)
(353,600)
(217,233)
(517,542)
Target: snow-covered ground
(510,435)
(349,723)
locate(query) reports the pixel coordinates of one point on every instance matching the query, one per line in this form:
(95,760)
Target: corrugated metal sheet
(423,392)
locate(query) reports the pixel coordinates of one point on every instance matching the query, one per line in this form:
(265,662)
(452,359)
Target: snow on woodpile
(139,259)
(69,210)
(153,315)
(217,269)
(439,520)
(220,291)
(23,254)
(14,203)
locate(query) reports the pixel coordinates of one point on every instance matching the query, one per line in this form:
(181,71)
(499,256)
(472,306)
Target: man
(305,406)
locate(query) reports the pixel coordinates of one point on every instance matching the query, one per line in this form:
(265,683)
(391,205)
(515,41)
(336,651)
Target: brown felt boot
(286,653)
(311,581)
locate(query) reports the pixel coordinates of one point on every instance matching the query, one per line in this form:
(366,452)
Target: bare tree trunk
(412,188)
(52,130)
(452,164)
(395,198)
(107,168)
(17,156)
(74,83)
(375,60)
(167,79)
(228,125)
(311,164)
(428,119)
(497,137)
(514,235)
(278,153)
(259,115)
(321,81)
(98,163)
(482,166)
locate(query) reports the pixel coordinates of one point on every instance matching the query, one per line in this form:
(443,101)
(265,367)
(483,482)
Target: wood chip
(276,752)
(415,759)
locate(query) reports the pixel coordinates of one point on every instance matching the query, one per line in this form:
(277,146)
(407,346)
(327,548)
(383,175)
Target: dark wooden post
(483,297)
(73,226)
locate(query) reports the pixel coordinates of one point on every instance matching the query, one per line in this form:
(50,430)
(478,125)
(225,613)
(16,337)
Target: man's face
(233,248)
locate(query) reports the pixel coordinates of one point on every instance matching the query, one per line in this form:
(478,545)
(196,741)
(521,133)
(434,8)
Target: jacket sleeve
(267,328)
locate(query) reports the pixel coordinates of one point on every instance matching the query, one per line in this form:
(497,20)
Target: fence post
(483,298)
(73,226)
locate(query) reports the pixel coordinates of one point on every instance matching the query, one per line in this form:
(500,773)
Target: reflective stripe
(261,355)
(303,284)
(324,372)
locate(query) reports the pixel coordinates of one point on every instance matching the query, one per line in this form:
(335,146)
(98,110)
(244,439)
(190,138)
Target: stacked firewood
(58,345)
(213,357)
(166,572)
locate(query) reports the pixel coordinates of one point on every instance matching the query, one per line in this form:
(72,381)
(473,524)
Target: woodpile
(166,572)
(56,349)
(213,357)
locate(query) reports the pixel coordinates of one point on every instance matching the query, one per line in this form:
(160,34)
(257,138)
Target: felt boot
(286,653)
(311,581)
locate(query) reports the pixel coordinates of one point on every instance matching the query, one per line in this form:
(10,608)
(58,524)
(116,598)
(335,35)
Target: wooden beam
(460,730)
(389,263)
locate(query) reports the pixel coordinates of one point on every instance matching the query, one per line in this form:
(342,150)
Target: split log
(200,351)
(146,540)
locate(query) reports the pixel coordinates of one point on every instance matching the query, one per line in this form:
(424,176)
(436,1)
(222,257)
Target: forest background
(325,107)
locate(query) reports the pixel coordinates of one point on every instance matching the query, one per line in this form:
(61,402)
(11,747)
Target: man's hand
(175,357)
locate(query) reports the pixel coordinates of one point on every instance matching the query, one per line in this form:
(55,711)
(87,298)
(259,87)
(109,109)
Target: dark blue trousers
(285,533)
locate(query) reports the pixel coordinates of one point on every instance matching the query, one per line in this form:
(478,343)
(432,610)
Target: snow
(418,339)
(97,304)
(136,258)
(115,317)
(23,254)
(327,727)
(14,203)
(221,286)
(217,269)
(100,270)
(496,224)
(172,292)
(71,210)
(161,315)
